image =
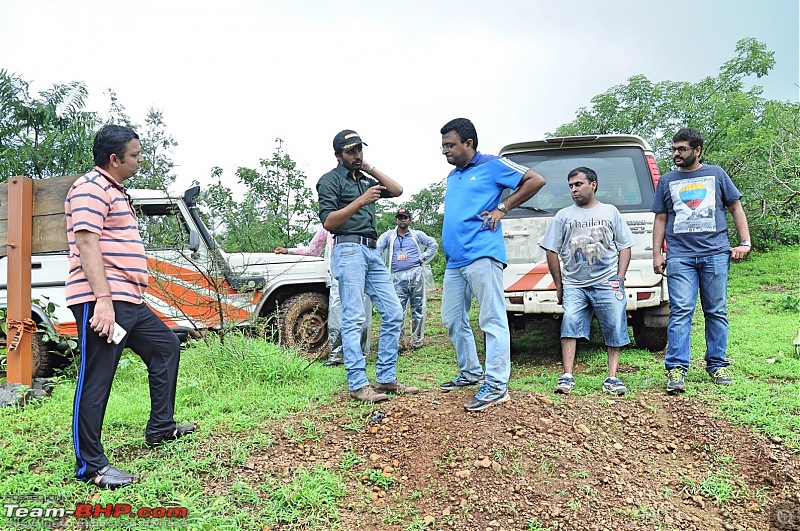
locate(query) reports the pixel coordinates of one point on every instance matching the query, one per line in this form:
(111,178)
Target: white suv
(626,175)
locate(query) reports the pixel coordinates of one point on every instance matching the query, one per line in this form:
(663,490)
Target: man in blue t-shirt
(690,207)
(476,255)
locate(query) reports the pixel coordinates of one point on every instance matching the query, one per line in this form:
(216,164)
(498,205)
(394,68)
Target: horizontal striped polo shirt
(99,204)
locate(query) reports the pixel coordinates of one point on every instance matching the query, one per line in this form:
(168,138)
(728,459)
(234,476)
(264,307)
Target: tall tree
(46,135)
(754,139)
(277,210)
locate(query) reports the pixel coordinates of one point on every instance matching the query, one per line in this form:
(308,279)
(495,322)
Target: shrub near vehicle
(627,174)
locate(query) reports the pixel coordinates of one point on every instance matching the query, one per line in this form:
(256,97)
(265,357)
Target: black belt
(354,238)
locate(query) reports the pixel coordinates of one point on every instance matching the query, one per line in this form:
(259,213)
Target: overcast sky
(231,76)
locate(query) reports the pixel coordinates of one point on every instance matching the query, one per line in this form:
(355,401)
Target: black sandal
(173,435)
(112,478)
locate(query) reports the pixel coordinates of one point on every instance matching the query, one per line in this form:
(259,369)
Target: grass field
(241,392)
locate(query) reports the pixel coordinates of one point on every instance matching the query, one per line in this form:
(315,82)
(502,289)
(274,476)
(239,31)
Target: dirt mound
(595,463)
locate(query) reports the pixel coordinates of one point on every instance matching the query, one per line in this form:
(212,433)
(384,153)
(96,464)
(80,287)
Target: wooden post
(20,224)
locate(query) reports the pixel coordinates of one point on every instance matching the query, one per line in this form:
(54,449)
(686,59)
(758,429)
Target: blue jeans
(483,280)
(607,301)
(685,275)
(360,269)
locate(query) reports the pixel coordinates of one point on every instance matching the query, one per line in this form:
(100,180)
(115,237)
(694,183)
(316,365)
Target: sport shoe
(614,386)
(565,384)
(460,381)
(722,376)
(675,380)
(396,387)
(367,394)
(486,397)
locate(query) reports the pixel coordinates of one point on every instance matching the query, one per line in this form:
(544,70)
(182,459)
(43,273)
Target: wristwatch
(502,208)
(744,243)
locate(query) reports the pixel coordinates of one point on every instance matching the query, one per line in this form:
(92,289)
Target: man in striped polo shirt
(107,279)
(476,256)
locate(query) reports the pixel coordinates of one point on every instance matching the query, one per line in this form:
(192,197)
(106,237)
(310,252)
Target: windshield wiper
(533,208)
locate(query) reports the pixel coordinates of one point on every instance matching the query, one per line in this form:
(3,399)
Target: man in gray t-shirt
(594,244)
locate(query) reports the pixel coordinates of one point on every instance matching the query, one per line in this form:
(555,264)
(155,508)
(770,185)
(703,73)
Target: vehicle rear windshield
(623,178)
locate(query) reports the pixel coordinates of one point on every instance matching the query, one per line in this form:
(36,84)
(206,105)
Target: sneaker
(396,387)
(565,384)
(675,380)
(461,381)
(614,386)
(367,394)
(486,397)
(722,376)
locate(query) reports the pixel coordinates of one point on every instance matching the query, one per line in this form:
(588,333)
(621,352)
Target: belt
(355,238)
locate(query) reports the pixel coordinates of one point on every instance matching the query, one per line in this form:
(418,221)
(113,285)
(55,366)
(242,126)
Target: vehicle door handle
(512,233)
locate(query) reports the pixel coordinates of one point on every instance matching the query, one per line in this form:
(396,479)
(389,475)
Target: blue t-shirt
(476,187)
(695,206)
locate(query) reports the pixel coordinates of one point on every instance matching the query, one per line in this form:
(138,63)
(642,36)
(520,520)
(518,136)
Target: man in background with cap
(347,209)
(408,253)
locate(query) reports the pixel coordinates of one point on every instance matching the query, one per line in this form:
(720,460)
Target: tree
(45,136)
(278,209)
(754,139)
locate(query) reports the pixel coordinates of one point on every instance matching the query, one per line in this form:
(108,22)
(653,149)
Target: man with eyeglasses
(690,207)
(347,196)
(408,253)
(476,256)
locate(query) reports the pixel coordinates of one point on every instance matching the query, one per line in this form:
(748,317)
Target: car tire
(650,338)
(303,324)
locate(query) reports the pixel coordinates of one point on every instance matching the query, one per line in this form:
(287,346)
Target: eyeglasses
(682,149)
(449,145)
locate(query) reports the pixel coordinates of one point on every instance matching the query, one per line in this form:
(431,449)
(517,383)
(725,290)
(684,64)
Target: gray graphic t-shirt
(695,206)
(588,241)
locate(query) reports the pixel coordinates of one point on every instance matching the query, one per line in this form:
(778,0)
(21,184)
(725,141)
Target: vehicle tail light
(654,173)
(515,299)
(643,295)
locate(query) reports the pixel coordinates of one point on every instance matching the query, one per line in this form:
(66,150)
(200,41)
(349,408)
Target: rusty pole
(20,223)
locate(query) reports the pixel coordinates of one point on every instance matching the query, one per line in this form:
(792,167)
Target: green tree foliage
(754,139)
(46,135)
(277,210)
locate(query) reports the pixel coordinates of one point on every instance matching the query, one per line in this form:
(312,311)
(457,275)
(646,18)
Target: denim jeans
(360,269)
(483,280)
(606,300)
(685,276)
(335,324)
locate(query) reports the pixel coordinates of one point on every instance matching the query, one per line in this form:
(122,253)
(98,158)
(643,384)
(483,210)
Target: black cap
(346,139)
(403,212)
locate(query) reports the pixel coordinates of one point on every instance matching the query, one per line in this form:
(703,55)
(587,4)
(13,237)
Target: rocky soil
(541,462)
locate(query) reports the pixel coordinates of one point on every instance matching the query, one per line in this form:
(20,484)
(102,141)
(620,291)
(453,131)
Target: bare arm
(530,183)
(623,263)
(742,229)
(659,230)
(88,244)
(554,266)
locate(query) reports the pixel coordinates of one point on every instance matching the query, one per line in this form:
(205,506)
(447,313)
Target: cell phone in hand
(118,334)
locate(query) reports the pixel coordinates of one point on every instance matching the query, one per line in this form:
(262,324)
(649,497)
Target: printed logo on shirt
(473,178)
(694,202)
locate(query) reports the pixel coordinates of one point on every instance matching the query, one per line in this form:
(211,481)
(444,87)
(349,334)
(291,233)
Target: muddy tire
(40,357)
(651,338)
(303,324)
